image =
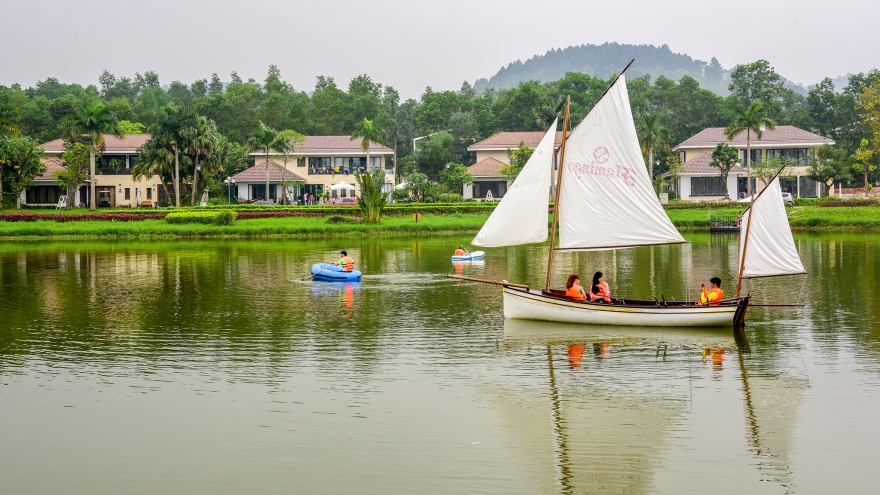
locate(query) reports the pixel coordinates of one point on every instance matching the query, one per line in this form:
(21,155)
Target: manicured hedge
(65,217)
(224,217)
(247,215)
(832,201)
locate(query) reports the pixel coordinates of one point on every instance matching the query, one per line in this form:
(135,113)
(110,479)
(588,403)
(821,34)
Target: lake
(213,367)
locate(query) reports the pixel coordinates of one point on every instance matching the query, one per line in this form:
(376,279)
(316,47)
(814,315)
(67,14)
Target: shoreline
(807,219)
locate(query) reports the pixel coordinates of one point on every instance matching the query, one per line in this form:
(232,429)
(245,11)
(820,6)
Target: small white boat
(470,256)
(605,200)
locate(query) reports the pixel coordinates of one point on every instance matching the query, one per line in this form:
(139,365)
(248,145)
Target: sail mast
(556,196)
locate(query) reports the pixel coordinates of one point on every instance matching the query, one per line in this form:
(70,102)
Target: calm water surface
(212,367)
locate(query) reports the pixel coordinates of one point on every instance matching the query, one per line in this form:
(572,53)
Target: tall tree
(288,141)
(22,156)
(91,121)
(370,133)
(751,119)
(8,121)
(724,157)
(76,170)
(263,140)
(830,166)
(863,158)
(201,138)
(169,131)
(654,135)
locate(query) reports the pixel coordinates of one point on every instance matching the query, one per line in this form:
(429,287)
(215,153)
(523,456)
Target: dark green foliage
(219,217)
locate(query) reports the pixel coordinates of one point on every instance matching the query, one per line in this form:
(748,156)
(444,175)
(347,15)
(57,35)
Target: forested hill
(605,60)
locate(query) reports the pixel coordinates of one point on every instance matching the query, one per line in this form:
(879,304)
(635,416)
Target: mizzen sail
(771,249)
(521,216)
(607,200)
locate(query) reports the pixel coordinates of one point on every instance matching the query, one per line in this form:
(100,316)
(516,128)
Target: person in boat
(461,251)
(599,290)
(714,295)
(573,288)
(345,262)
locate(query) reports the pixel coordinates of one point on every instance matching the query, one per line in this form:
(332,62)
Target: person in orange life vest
(461,251)
(599,290)
(345,262)
(713,296)
(573,288)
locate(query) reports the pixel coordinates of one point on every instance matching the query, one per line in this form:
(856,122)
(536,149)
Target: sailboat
(605,200)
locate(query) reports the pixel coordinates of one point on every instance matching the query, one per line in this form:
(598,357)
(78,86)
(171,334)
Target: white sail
(771,249)
(521,216)
(607,200)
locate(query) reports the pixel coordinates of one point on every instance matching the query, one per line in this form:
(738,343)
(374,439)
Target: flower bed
(66,217)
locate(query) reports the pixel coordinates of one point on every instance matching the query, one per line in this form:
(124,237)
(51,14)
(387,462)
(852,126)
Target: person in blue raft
(340,271)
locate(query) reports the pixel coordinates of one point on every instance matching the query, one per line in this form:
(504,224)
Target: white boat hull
(532,305)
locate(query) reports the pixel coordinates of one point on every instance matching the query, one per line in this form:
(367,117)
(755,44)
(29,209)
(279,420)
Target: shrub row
(66,217)
(847,202)
(223,217)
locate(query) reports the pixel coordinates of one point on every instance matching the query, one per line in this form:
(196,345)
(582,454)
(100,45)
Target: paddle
(312,276)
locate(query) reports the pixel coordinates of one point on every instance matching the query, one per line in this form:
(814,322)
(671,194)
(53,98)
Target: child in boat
(599,290)
(461,251)
(713,296)
(573,288)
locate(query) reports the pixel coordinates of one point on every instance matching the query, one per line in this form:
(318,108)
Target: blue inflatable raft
(471,256)
(334,273)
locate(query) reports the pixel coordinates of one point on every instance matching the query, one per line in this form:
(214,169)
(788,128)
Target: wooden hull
(535,305)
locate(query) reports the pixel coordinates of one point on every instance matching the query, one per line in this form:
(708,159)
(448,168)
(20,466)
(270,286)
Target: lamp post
(229,183)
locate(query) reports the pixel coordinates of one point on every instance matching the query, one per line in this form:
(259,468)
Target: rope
(801,293)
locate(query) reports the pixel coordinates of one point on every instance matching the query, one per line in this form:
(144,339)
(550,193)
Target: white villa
(113,183)
(697,181)
(315,165)
(492,155)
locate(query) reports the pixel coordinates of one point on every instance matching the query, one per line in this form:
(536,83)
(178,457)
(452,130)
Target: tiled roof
(335,144)
(783,135)
(487,167)
(700,165)
(511,140)
(52,164)
(112,144)
(257,173)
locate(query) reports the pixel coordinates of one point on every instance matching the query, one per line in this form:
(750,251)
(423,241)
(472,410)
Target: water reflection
(416,383)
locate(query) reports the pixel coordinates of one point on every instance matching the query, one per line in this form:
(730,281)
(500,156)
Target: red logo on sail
(597,166)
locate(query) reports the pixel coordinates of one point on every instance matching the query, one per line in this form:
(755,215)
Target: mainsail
(521,216)
(607,200)
(771,249)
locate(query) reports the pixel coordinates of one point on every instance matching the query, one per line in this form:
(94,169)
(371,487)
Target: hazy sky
(413,44)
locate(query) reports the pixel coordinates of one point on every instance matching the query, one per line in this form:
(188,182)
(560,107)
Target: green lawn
(800,217)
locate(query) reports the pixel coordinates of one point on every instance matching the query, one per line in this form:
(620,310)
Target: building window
(707,186)
(482,188)
(300,162)
(797,157)
(258,191)
(149,193)
(755,157)
(127,193)
(681,156)
(42,195)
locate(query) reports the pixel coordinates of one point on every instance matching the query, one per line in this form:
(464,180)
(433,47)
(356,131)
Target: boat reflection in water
(345,291)
(603,420)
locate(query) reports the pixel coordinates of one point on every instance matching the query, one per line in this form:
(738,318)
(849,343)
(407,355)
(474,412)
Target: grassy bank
(800,217)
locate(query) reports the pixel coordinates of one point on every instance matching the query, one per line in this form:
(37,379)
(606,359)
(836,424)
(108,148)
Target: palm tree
(654,134)
(286,143)
(752,119)
(154,158)
(263,140)
(370,133)
(401,126)
(169,130)
(201,139)
(92,121)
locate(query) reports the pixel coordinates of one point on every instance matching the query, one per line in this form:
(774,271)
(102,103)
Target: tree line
(202,132)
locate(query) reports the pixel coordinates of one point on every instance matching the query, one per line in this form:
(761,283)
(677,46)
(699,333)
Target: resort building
(315,165)
(492,155)
(697,181)
(114,186)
